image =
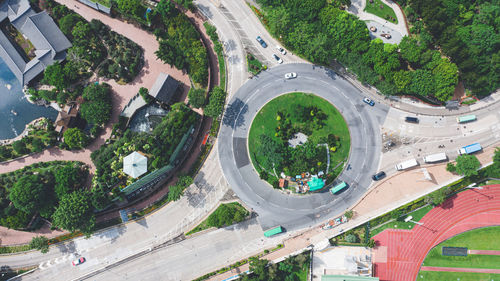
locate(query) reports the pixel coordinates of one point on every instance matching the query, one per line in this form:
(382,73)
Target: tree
(75,212)
(54,75)
(196,97)
(467,165)
(37,145)
(129,7)
(351,238)
(40,243)
(494,170)
(68,22)
(437,197)
(259,268)
(144,93)
(175,192)
(271,153)
(450,167)
(349,214)
(165,9)
(371,243)
(29,194)
(75,138)
(216,101)
(67,179)
(96,108)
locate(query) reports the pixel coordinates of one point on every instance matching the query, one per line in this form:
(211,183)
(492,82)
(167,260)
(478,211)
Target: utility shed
(164,88)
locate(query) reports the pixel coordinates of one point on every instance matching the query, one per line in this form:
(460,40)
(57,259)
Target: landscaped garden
(46,190)
(254,65)
(291,137)
(381,10)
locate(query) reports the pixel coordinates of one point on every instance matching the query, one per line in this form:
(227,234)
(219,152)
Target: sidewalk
(380,199)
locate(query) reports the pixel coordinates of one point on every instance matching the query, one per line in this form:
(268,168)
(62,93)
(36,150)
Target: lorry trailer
(406,164)
(435,157)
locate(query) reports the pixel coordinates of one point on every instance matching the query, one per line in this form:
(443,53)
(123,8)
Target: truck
(406,164)
(435,157)
(469,149)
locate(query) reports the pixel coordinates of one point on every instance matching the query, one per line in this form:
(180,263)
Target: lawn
(265,122)
(417,216)
(492,182)
(385,12)
(238,213)
(302,275)
(454,276)
(478,239)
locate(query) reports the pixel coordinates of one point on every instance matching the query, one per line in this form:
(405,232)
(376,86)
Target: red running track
(484,252)
(400,253)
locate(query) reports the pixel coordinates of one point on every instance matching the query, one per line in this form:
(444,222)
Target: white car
(278,59)
(291,75)
(283,51)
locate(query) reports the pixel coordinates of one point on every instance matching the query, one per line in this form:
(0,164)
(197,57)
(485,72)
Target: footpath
(384,197)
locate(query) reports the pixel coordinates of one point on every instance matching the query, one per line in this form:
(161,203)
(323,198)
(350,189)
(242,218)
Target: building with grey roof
(49,42)
(164,88)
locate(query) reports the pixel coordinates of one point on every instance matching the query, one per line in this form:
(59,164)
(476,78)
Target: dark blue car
(262,42)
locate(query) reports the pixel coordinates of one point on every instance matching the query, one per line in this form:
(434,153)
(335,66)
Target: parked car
(262,42)
(411,119)
(283,51)
(291,75)
(278,59)
(378,176)
(369,101)
(78,261)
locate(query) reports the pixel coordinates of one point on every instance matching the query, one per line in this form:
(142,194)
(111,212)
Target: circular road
(297,211)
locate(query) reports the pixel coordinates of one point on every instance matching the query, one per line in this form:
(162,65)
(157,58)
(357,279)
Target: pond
(15,110)
(146,118)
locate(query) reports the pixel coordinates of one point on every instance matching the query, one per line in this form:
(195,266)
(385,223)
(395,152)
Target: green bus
(338,187)
(466,118)
(273,231)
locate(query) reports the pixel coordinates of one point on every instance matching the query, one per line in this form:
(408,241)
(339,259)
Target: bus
(273,231)
(338,187)
(466,118)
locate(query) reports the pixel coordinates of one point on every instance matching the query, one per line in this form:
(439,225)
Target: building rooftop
(48,40)
(164,88)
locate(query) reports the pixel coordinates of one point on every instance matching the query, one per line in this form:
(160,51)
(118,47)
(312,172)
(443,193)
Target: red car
(78,261)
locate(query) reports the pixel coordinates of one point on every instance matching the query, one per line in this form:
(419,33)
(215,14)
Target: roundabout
(272,206)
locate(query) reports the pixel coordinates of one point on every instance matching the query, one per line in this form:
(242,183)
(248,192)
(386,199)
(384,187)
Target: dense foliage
(40,243)
(75,212)
(289,270)
(74,138)
(216,101)
(322,32)
(180,43)
(96,108)
(196,97)
(467,32)
(41,135)
(158,146)
(177,190)
(36,189)
(467,165)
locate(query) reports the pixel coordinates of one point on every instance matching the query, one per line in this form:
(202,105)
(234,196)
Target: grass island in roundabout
(298,142)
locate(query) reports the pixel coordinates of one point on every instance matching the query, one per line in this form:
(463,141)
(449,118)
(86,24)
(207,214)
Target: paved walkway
(457,269)
(400,253)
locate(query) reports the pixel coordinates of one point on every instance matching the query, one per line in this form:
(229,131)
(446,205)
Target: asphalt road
(292,211)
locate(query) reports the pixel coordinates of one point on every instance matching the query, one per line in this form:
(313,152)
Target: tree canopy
(196,97)
(467,165)
(29,194)
(75,212)
(216,101)
(96,108)
(75,138)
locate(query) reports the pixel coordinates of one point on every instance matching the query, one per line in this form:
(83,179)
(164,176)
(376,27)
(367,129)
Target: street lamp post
(409,219)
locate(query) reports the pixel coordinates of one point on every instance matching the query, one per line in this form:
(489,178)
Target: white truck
(406,164)
(435,157)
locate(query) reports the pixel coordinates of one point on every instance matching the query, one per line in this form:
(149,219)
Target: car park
(78,261)
(378,176)
(281,50)
(278,59)
(411,119)
(291,75)
(369,101)
(262,42)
